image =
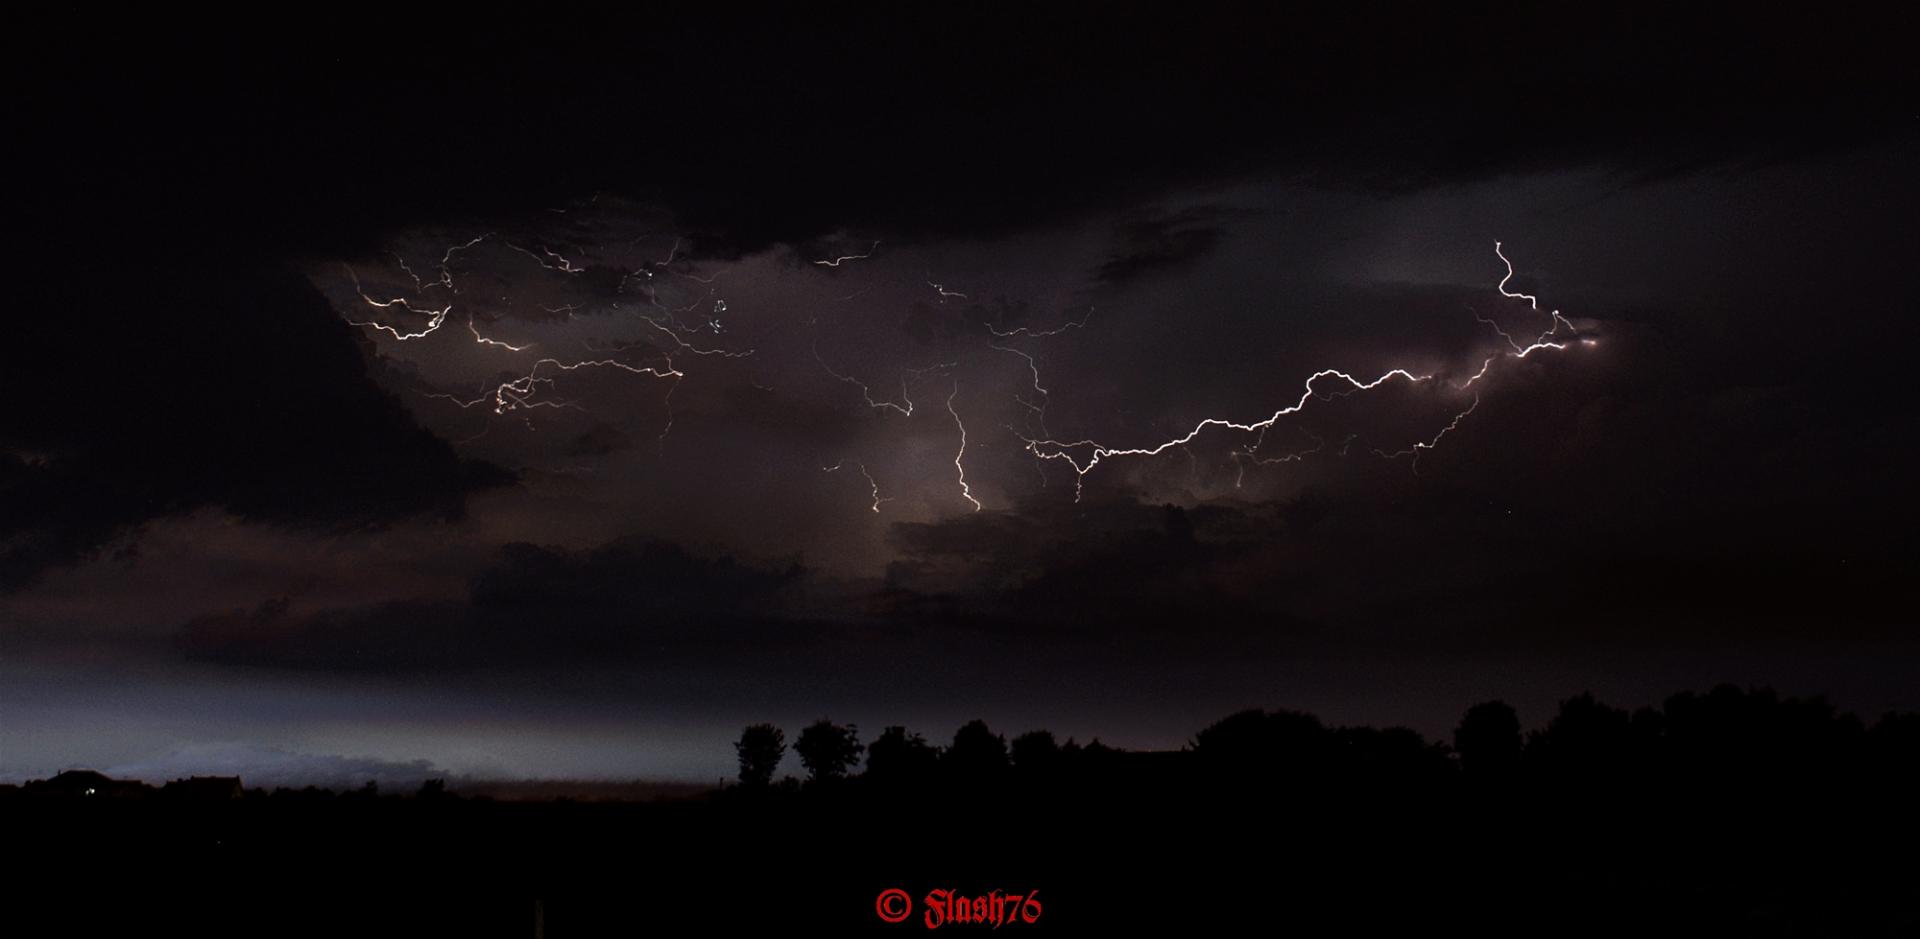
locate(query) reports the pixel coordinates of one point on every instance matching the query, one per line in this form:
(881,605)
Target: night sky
(552,397)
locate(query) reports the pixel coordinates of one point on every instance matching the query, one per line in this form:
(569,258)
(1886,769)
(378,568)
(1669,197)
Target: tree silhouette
(1256,748)
(899,756)
(828,750)
(1893,751)
(1488,740)
(1241,733)
(760,748)
(1397,754)
(1586,740)
(1035,751)
(977,750)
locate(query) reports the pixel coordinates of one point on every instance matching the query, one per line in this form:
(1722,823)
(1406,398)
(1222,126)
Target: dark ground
(1165,845)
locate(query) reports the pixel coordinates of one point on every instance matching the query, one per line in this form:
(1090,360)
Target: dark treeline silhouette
(1729,812)
(88,785)
(1728,741)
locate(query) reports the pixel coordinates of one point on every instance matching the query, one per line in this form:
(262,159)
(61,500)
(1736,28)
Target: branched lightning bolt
(1039,410)
(435,318)
(446,262)
(494,342)
(1251,454)
(1095,452)
(1424,445)
(836,262)
(446,266)
(666,401)
(1542,341)
(907,377)
(689,329)
(1062,450)
(528,390)
(549,259)
(1024,331)
(866,394)
(966,491)
(685,346)
(418,286)
(515,394)
(671,326)
(862,467)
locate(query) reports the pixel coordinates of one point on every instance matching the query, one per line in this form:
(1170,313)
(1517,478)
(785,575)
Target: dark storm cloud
(1704,187)
(160,390)
(1437,564)
(1447,561)
(974,120)
(535,606)
(1695,476)
(1159,240)
(170,364)
(600,439)
(1097,572)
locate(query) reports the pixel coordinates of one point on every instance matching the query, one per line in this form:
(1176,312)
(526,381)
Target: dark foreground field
(1164,849)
